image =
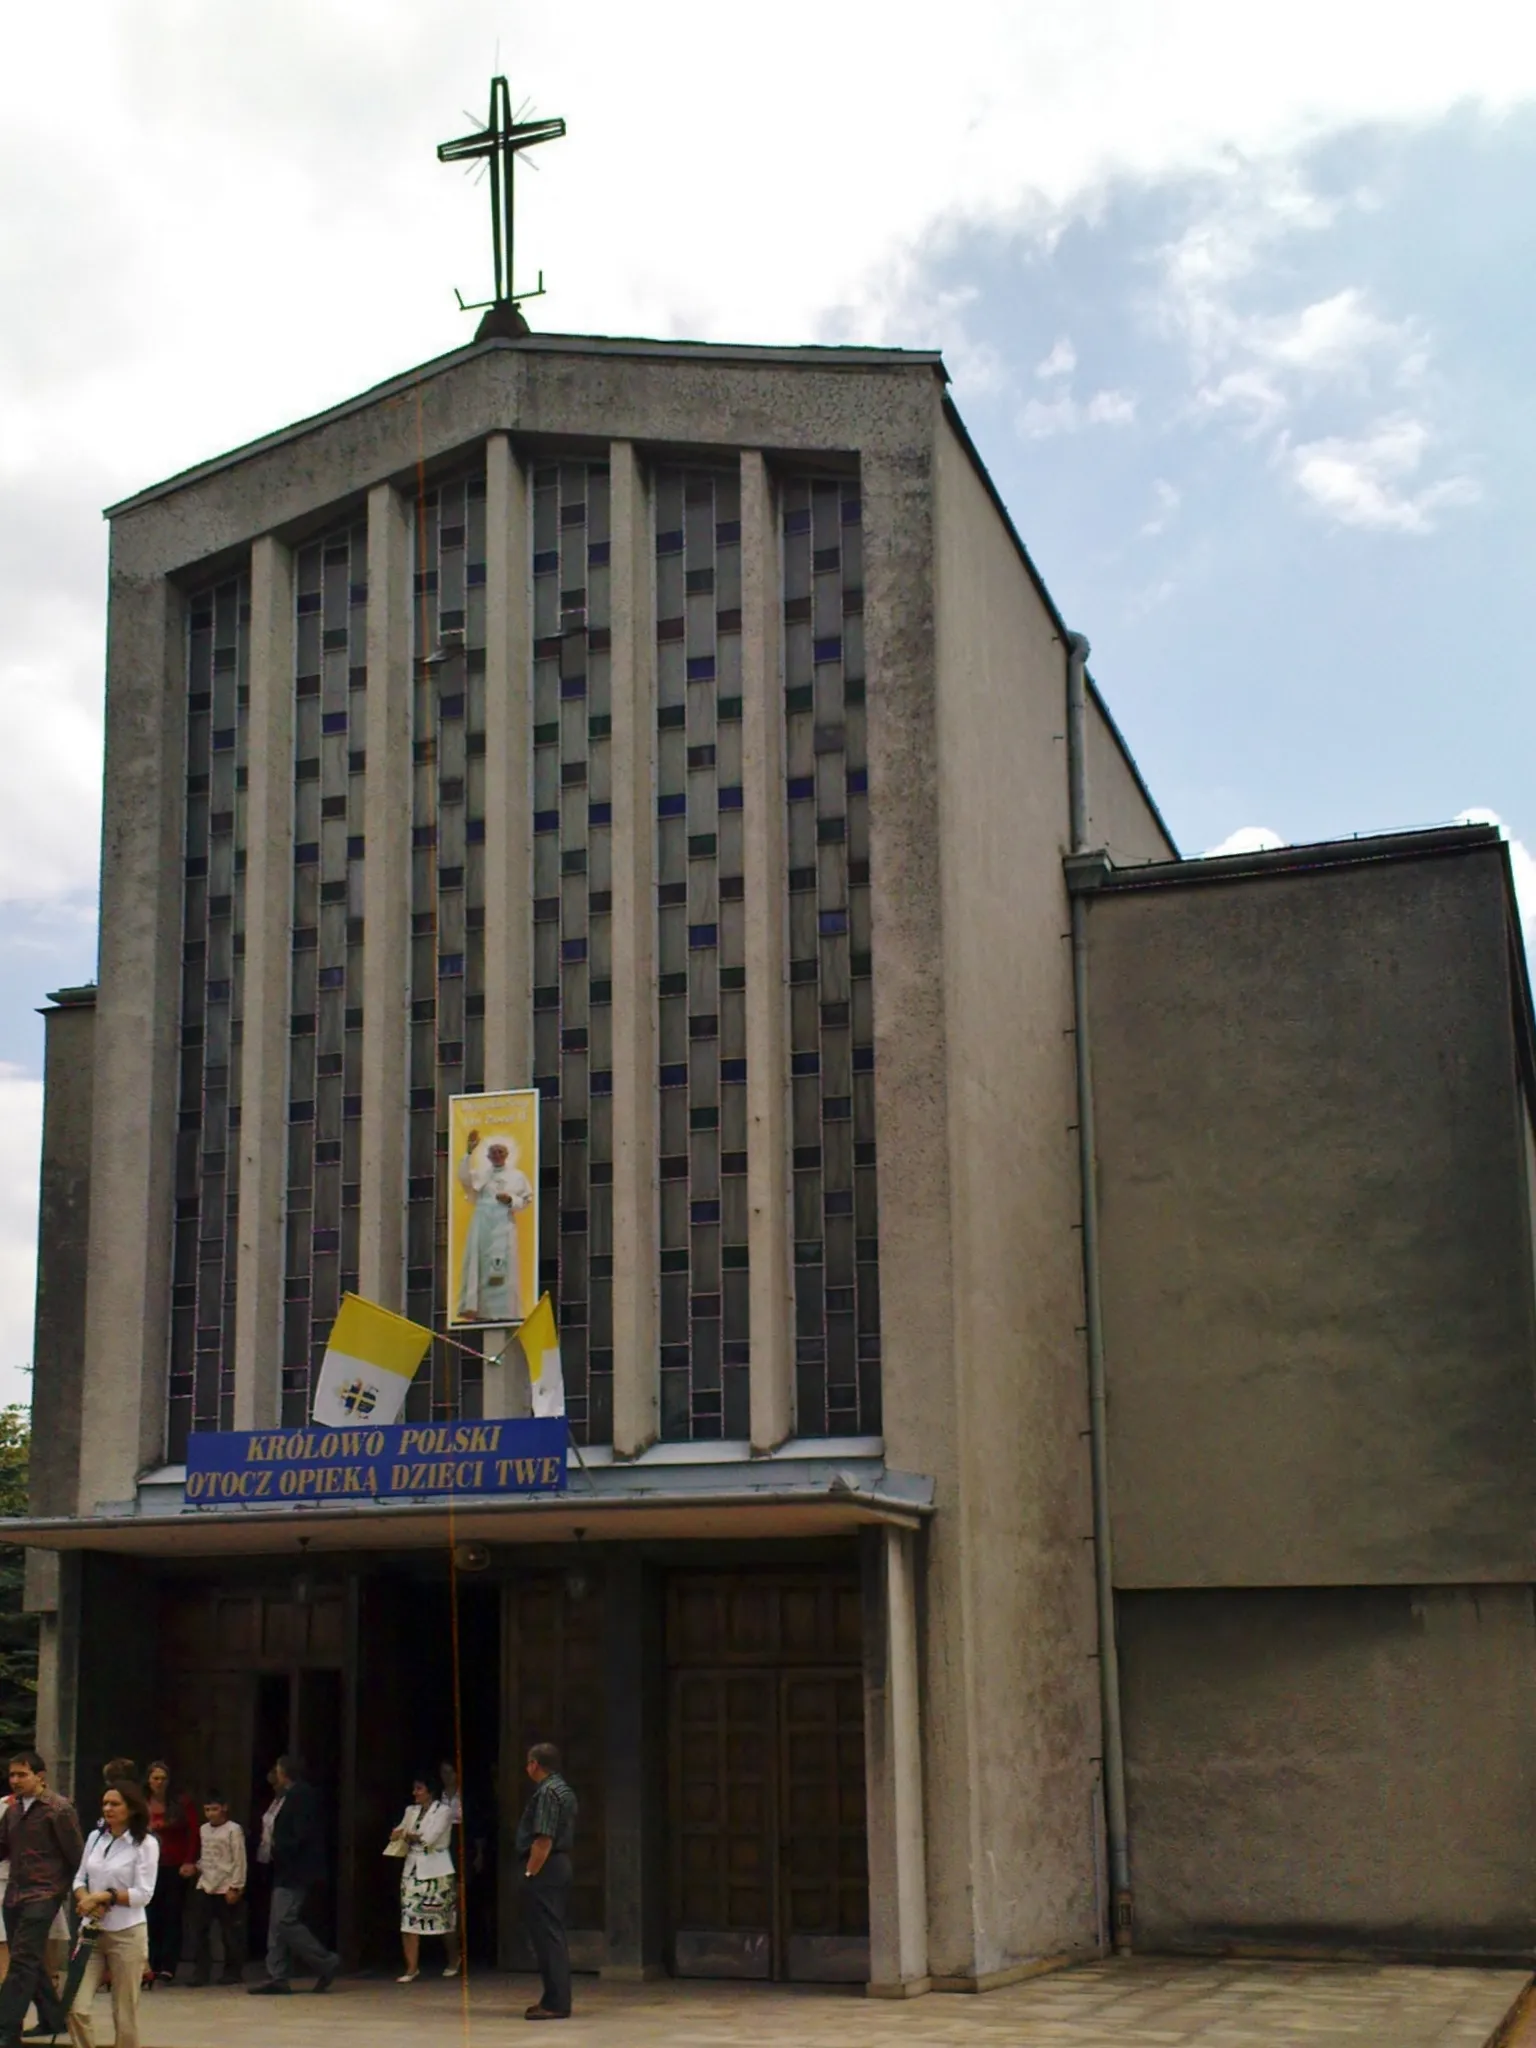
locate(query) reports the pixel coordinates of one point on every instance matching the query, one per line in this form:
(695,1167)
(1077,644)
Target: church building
(1048,1328)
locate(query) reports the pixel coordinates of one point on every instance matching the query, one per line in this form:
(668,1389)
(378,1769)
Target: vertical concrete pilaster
(386,899)
(48,1727)
(508,772)
(636,1366)
(264,1039)
(134,1087)
(768,1161)
(893,1752)
(508,824)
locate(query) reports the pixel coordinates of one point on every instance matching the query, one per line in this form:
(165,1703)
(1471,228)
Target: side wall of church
(1347,1767)
(1121,818)
(1000,1412)
(1320,1325)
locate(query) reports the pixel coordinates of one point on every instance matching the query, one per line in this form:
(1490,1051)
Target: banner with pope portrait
(493,1208)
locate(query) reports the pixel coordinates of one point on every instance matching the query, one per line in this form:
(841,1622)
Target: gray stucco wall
(997,1408)
(1317,1265)
(58,1350)
(1342,1768)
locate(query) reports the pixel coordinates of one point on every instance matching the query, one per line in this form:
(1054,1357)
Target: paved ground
(1148,2002)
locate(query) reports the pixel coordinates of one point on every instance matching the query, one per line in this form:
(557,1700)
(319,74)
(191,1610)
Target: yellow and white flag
(369,1363)
(541,1347)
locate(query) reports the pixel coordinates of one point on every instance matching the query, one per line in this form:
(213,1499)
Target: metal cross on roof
(499,142)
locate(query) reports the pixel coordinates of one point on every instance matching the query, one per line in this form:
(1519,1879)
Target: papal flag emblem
(369,1363)
(541,1347)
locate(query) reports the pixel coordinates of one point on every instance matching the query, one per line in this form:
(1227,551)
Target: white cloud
(1331,337)
(1252,207)
(1259,361)
(1369,481)
(1246,839)
(1042,417)
(1110,409)
(1522,864)
(1061,361)
(1262,370)
(21,1126)
(50,768)
(251,224)
(1166,501)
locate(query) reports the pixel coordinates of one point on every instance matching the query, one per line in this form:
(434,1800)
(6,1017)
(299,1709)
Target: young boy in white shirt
(220,1892)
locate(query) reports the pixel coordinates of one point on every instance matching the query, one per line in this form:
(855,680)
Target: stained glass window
(325,1026)
(832,1049)
(701,956)
(447,943)
(573,927)
(200,1388)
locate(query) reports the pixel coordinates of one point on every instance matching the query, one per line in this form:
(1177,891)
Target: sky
(1236,301)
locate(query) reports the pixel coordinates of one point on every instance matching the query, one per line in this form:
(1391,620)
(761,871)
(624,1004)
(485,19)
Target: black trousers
(204,1910)
(27,1981)
(546,1900)
(166,1914)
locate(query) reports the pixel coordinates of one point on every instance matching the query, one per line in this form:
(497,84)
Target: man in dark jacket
(40,1836)
(298,1864)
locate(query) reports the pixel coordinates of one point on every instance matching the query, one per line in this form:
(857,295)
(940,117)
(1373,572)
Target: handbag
(397,1844)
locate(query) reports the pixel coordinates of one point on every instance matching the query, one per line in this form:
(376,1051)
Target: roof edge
(793,355)
(1098,875)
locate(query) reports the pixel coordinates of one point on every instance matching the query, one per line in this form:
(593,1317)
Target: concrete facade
(1318,1289)
(1314,1123)
(1311,1077)
(1347,1767)
(981,1713)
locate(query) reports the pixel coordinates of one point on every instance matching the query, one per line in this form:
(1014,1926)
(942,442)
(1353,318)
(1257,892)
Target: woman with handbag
(113,1886)
(428,1888)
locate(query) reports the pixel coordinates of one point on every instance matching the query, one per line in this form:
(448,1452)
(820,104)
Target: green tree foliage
(18,1631)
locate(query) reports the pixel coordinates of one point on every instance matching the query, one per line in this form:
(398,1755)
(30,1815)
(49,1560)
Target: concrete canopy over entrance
(605,1516)
(730,1671)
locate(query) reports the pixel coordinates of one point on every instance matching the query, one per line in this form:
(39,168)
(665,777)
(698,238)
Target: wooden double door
(769,1874)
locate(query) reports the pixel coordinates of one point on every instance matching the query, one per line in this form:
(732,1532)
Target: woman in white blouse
(115,1882)
(428,1890)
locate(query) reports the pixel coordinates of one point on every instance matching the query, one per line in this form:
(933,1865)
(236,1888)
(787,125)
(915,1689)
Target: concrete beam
(264,1041)
(386,899)
(636,1366)
(508,826)
(772,1378)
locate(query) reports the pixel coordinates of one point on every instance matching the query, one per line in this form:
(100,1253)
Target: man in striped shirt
(40,1837)
(546,1835)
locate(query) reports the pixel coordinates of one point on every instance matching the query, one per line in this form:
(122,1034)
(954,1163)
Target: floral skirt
(429,1905)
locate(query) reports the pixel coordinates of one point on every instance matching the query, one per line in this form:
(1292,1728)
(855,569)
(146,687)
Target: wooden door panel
(823,1868)
(553,1692)
(767,1775)
(723,1824)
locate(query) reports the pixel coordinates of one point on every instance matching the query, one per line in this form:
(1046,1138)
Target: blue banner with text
(307,1463)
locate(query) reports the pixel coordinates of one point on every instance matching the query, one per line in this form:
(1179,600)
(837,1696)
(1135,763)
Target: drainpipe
(1093,1316)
